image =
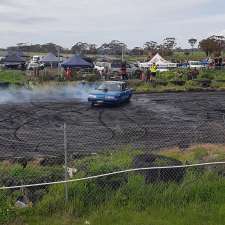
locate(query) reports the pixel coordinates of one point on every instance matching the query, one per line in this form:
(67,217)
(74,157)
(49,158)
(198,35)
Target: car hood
(111,93)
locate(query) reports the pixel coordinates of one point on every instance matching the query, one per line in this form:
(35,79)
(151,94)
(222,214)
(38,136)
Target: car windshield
(109,87)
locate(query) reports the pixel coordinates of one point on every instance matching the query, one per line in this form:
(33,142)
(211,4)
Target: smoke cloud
(77,92)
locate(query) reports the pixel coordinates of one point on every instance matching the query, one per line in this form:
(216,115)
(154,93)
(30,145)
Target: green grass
(30,174)
(195,56)
(198,199)
(12,76)
(190,215)
(176,57)
(119,159)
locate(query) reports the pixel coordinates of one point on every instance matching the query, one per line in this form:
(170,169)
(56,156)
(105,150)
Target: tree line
(213,45)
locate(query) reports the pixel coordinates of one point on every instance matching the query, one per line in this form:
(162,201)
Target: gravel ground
(151,122)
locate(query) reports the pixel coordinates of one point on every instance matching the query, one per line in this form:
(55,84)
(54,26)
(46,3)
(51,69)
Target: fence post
(66,163)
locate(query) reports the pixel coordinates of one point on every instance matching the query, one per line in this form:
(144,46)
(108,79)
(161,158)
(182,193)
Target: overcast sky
(66,22)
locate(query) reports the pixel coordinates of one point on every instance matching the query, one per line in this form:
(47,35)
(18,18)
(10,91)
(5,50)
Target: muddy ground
(150,122)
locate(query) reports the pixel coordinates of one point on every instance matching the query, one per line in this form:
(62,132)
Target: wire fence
(47,141)
(59,166)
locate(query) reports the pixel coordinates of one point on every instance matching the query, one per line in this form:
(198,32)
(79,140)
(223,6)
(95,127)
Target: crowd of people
(149,75)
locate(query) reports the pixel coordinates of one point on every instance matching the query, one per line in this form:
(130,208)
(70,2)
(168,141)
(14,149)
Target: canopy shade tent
(13,61)
(160,61)
(50,58)
(76,62)
(13,53)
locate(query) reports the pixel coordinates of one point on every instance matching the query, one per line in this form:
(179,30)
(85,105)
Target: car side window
(124,87)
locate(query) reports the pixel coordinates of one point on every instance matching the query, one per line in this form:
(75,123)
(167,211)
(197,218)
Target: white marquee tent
(160,61)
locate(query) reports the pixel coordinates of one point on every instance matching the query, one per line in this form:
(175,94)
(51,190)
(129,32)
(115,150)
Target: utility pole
(122,54)
(58,51)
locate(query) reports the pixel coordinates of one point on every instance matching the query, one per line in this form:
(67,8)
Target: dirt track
(149,121)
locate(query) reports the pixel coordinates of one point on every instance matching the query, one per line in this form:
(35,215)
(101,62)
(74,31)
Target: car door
(125,92)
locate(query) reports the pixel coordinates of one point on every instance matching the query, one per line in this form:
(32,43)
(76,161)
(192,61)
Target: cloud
(11,4)
(7,3)
(21,20)
(136,21)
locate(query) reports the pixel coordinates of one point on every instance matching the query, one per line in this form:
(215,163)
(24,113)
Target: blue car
(111,92)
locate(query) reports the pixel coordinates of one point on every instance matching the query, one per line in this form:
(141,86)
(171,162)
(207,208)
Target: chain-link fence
(50,166)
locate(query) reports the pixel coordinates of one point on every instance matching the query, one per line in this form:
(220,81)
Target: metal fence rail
(162,168)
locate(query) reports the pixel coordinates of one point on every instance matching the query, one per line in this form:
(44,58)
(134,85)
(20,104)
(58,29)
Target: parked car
(111,92)
(131,69)
(34,65)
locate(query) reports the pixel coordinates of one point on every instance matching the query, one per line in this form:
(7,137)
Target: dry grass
(197,153)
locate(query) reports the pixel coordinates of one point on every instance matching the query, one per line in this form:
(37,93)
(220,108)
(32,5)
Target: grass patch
(17,175)
(196,154)
(148,88)
(199,199)
(12,77)
(127,199)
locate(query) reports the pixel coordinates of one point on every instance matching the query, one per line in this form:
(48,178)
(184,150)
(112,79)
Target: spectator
(189,74)
(194,74)
(124,71)
(148,76)
(69,73)
(153,70)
